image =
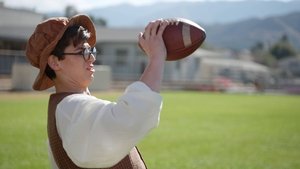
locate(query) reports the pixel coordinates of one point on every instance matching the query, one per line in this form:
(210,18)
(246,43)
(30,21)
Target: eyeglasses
(86,53)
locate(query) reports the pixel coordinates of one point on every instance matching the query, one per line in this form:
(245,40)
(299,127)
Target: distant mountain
(204,12)
(245,34)
(230,24)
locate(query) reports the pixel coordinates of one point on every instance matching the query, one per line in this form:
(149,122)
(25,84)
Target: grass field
(197,131)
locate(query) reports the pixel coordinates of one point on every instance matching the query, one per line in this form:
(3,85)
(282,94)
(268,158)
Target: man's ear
(53,62)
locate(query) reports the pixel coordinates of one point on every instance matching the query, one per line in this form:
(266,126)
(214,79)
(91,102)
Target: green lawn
(197,130)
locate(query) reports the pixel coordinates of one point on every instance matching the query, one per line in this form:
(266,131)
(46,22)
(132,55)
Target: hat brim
(42,81)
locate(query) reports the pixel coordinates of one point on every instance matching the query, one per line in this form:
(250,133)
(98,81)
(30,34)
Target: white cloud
(38,5)
(59,5)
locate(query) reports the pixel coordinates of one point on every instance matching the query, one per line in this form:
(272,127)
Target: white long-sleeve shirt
(99,133)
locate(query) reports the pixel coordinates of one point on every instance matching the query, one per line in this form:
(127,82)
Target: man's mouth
(91,69)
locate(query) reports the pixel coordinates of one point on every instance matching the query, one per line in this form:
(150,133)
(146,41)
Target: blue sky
(59,5)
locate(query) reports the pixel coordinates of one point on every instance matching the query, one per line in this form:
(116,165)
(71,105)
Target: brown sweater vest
(132,161)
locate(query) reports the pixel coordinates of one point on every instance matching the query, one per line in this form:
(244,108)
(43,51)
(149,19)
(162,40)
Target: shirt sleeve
(98,133)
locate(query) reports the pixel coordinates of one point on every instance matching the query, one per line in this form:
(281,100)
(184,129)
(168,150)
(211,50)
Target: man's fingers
(141,36)
(162,27)
(148,29)
(155,27)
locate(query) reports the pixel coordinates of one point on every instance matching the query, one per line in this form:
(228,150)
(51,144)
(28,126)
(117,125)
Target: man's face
(75,70)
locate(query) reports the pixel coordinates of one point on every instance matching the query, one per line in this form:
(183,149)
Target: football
(182,37)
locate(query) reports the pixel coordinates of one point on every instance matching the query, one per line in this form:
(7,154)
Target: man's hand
(151,40)
(153,44)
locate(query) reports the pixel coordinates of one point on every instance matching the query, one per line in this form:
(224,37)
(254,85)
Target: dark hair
(74,34)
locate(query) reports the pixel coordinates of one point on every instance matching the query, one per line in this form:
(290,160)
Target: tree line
(271,55)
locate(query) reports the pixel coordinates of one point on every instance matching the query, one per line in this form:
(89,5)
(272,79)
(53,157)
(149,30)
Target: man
(84,131)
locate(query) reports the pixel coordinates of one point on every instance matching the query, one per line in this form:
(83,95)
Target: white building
(118,48)
(208,68)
